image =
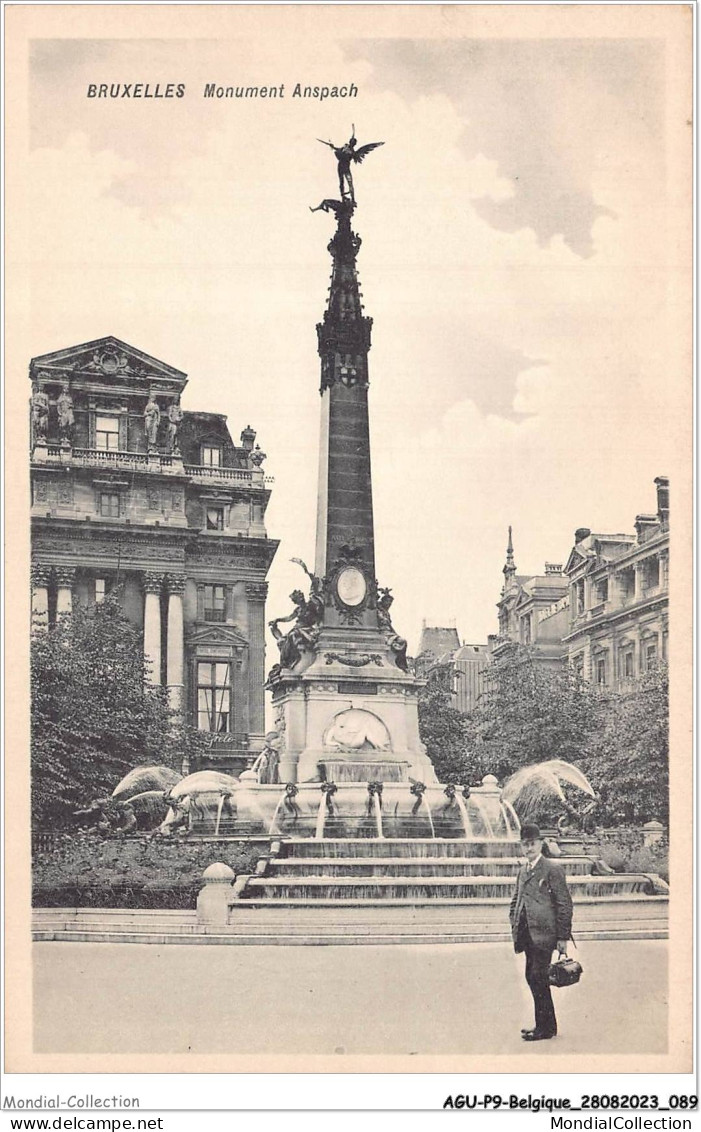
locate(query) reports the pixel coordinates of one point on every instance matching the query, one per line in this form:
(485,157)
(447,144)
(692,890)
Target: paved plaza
(399,999)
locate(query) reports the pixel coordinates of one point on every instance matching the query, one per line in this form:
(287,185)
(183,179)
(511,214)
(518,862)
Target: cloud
(547,113)
(515,261)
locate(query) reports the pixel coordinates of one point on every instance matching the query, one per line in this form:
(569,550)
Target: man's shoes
(537,1035)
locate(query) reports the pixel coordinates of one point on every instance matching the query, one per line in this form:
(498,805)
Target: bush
(623,850)
(84,871)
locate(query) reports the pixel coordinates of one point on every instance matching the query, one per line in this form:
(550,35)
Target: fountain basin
(388,810)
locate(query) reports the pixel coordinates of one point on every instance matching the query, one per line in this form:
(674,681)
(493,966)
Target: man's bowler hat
(530,833)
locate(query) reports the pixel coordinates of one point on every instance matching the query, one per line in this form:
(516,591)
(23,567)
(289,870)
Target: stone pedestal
(653,832)
(350,715)
(214,899)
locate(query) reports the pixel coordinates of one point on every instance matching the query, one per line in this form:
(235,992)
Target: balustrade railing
(112,458)
(205,471)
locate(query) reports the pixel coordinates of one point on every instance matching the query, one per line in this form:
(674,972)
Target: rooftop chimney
(662,485)
(553,567)
(581,533)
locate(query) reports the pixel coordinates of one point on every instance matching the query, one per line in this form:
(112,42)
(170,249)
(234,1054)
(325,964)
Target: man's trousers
(537,967)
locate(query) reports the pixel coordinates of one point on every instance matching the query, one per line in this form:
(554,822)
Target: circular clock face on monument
(351,586)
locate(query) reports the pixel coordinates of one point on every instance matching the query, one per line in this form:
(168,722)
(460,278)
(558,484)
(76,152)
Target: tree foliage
(94,717)
(528,714)
(627,761)
(445,730)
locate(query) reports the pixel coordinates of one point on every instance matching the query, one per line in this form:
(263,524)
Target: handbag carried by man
(564,973)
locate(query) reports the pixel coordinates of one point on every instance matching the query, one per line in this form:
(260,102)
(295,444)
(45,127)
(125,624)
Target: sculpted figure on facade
(40,414)
(66,416)
(397,644)
(152,419)
(175,419)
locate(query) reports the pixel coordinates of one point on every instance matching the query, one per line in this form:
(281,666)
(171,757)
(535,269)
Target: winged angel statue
(345,155)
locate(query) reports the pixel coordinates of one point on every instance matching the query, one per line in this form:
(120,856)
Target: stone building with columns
(618,608)
(130,492)
(531,613)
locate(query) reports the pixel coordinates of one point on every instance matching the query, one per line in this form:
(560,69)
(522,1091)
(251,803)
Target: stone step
(296,926)
(314,938)
(396,847)
(414,902)
(397,867)
(434,887)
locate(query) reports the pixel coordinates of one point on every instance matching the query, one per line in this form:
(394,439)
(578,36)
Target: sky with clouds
(520,260)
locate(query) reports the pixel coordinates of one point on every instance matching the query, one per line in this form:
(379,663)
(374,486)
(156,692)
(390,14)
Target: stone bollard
(213,900)
(653,832)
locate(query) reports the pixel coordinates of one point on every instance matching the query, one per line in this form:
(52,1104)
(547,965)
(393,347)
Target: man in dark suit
(541,919)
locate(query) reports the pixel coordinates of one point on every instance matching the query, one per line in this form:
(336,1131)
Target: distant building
(130,492)
(470,662)
(619,599)
(531,612)
(437,643)
(439,647)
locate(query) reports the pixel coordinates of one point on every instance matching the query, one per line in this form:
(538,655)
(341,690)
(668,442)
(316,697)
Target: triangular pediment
(575,560)
(107,358)
(217,634)
(522,598)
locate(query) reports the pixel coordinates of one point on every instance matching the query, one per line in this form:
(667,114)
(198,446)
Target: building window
(214,603)
(650,655)
(100,590)
(579,598)
(629,665)
(601,671)
(578,664)
(215,518)
(526,630)
(109,504)
(626,583)
(651,574)
(107,433)
(211,455)
(602,590)
(214,696)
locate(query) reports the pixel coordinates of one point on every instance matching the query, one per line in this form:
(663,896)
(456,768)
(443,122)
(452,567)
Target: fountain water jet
(531,788)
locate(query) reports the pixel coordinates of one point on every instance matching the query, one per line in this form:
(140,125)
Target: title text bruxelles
(211,90)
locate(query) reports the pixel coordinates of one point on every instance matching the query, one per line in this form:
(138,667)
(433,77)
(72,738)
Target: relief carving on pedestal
(357,660)
(357,730)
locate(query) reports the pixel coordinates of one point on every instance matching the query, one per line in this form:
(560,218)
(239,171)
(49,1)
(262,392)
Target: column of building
(65,577)
(175,648)
(152,584)
(174,584)
(41,575)
(256,593)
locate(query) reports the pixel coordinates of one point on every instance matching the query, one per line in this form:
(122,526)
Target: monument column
(256,593)
(175,646)
(345,516)
(65,576)
(40,595)
(152,625)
